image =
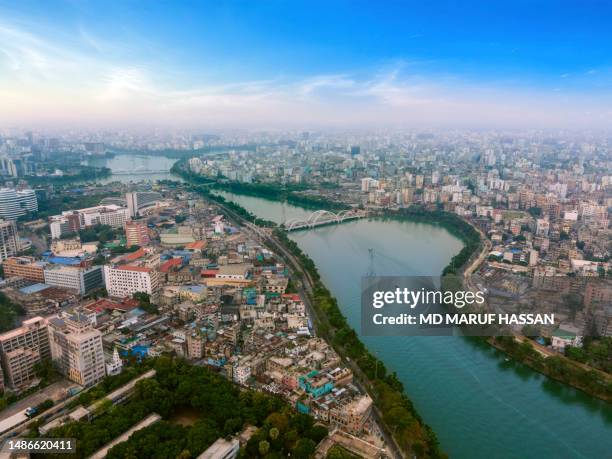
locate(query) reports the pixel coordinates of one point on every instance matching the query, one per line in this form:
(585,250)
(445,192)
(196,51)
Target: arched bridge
(323,217)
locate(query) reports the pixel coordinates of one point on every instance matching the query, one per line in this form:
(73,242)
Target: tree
(304,448)
(264,447)
(573,303)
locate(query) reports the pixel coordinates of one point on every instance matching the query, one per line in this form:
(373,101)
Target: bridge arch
(319,214)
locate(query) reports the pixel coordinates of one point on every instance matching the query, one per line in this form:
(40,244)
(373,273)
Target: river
(135,168)
(479,405)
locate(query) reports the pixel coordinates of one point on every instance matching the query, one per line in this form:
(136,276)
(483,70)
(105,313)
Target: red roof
(165,267)
(209,272)
(135,255)
(197,245)
(292,296)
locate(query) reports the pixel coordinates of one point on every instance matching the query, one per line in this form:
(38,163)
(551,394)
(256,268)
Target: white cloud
(46,82)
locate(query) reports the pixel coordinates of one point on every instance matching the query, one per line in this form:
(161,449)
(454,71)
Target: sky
(292,64)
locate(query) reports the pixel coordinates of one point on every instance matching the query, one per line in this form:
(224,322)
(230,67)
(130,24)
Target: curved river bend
(479,405)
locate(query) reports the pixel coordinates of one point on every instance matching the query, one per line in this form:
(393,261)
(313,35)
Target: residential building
(140,200)
(14,203)
(351,415)
(9,240)
(79,278)
(136,233)
(22,348)
(25,267)
(125,280)
(76,347)
(195,345)
(237,271)
(74,220)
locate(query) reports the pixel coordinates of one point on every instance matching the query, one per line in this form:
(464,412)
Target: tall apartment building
(26,267)
(81,279)
(14,204)
(74,220)
(125,280)
(76,348)
(22,348)
(136,233)
(9,240)
(140,200)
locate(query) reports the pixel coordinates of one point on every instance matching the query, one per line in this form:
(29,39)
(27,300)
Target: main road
(306,291)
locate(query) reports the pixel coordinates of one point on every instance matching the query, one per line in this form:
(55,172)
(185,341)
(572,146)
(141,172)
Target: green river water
(479,404)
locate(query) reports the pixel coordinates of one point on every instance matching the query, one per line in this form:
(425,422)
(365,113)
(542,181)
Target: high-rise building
(125,280)
(22,348)
(26,267)
(79,278)
(140,200)
(74,220)
(136,233)
(9,240)
(76,348)
(14,204)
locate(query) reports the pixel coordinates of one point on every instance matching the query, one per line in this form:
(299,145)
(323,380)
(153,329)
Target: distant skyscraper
(355,150)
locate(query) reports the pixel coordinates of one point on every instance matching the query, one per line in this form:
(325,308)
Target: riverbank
(398,412)
(558,367)
(480,403)
(289,193)
(87,173)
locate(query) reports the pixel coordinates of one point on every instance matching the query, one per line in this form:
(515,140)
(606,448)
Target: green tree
(304,448)
(264,447)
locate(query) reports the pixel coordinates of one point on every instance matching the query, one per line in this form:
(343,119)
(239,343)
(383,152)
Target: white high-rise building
(81,279)
(14,204)
(76,348)
(125,280)
(74,220)
(139,200)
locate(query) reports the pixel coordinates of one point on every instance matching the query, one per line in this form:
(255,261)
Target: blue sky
(307,64)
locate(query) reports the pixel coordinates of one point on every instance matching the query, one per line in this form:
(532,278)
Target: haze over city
(305,65)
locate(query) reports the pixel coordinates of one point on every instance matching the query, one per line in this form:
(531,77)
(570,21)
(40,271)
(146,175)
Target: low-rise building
(25,267)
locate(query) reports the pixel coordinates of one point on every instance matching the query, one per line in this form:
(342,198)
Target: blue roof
(135,312)
(34,288)
(70,261)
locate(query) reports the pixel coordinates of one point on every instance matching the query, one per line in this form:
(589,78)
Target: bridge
(140,172)
(323,217)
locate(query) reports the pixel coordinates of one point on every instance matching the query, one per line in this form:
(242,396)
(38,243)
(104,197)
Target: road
(55,392)
(306,292)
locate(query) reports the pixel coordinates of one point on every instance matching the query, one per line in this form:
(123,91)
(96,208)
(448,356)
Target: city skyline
(93,65)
